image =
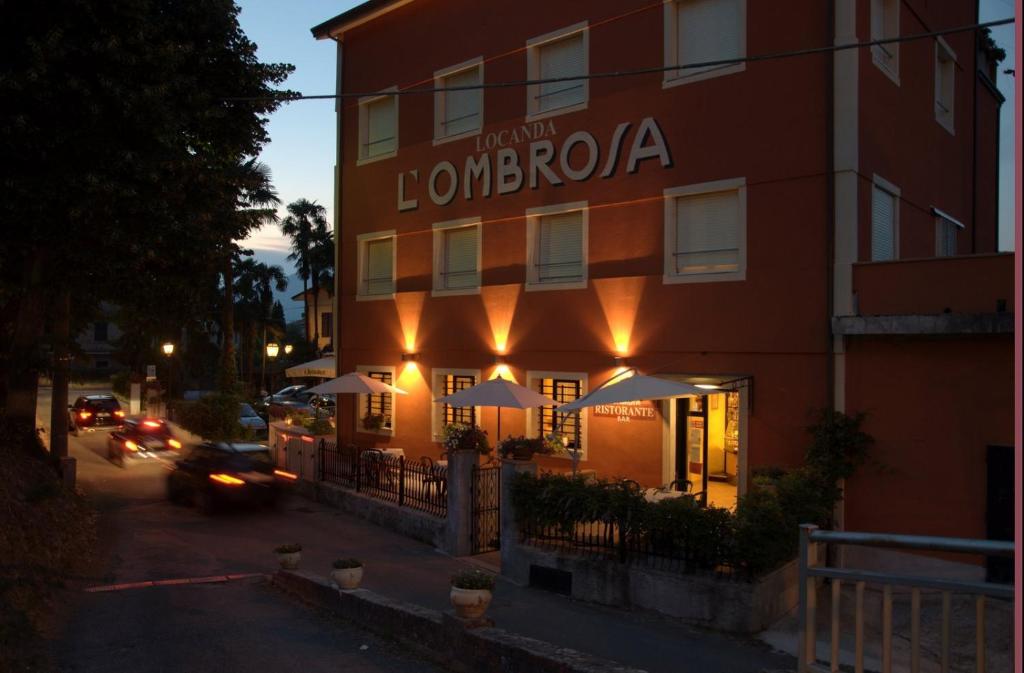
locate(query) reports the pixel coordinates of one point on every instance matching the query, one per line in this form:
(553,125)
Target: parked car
(248,418)
(140,439)
(215,474)
(289,394)
(91,412)
(310,404)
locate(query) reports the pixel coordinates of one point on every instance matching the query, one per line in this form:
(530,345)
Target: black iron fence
(417,484)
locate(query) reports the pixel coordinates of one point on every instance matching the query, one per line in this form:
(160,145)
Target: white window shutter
(883,225)
(560,247)
(708,30)
(462,108)
(460,248)
(380,127)
(561,58)
(708,233)
(945,237)
(379,267)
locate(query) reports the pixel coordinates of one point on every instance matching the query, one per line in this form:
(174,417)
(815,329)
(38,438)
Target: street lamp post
(168,350)
(272,350)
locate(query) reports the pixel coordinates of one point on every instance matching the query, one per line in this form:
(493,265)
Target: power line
(641,71)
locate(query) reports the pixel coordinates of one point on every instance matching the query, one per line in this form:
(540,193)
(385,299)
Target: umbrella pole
(499,426)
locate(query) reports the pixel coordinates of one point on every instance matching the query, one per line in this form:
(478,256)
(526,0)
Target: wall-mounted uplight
(620,361)
(409,357)
(499,359)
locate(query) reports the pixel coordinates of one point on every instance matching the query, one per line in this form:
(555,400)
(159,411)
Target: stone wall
(408,522)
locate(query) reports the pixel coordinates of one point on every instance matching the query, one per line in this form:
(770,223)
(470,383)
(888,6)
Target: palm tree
(255,283)
(306,224)
(255,204)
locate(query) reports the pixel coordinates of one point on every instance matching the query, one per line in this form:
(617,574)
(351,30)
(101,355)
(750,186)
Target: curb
(441,637)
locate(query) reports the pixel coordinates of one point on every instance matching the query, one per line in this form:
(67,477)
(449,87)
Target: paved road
(244,625)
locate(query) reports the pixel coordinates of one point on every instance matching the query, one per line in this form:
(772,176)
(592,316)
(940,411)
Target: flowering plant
(524,448)
(373,421)
(463,437)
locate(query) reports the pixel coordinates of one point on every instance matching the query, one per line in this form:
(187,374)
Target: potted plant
(471,593)
(524,448)
(373,422)
(347,573)
(463,437)
(288,555)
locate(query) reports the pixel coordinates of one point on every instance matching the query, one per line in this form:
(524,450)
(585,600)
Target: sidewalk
(416,573)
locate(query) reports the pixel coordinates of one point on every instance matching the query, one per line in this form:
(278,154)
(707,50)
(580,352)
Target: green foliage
(524,448)
(318,426)
(288,548)
(765,537)
(373,422)
(462,437)
(346,563)
(120,383)
(838,445)
(212,417)
(473,579)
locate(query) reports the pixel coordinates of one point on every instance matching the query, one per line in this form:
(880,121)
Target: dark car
(289,394)
(91,412)
(310,404)
(215,474)
(140,438)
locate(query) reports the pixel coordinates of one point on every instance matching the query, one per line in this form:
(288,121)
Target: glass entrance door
(692,444)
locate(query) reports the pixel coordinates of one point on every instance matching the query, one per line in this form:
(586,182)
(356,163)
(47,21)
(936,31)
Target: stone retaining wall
(441,637)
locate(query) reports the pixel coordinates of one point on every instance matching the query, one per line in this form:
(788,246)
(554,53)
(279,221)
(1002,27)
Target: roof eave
(358,15)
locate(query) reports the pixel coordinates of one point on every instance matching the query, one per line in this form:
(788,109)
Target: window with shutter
(561,58)
(380,136)
(559,256)
(460,109)
(707,30)
(459,258)
(945,237)
(945,78)
(707,233)
(378,276)
(885,24)
(883,225)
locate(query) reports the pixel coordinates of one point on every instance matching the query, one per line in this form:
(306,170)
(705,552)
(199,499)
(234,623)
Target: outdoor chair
(431,476)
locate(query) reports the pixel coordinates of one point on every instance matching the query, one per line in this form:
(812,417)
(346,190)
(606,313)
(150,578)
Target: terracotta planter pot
(289,561)
(470,603)
(347,578)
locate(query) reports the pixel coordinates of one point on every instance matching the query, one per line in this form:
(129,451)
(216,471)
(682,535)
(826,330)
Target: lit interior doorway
(705,445)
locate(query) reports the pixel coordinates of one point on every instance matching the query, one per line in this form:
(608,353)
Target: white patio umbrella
(323,368)
(354,382)
(633,389)
(498,393)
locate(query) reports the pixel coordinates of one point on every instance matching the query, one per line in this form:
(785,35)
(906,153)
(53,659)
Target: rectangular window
(554,56)
(453,383)
(548,418)
(460,252)
(701,31)
(326,325)
(945,233)
(100,332)
(885,24)
(945,83)
(377,267)
(379,404)
(705,231)
(560,248)
(458,112)
(884,224)
(378,128)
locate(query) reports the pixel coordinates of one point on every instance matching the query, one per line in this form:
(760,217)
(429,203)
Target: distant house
(318,316)
(97,346)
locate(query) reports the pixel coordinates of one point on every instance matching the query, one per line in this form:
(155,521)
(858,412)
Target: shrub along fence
(394,479)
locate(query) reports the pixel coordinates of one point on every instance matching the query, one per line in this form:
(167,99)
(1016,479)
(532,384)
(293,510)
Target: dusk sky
(301,153)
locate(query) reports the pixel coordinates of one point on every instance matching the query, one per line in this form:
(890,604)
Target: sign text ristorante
(498,167)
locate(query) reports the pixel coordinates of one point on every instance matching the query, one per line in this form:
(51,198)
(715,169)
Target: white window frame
(439,100)
(364,128)
(671,195)
(879,182)
(889,66)
(361,402)
(440,228)
(436,408)
(361,247)
(673,78)
(533,111)
(944,55)
(944,218)
(533,216)
(532,376)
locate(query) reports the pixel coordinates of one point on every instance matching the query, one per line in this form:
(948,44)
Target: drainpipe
(339,109)
(830,201)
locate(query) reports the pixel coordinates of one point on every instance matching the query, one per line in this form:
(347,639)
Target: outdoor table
(657,495)
(397,453)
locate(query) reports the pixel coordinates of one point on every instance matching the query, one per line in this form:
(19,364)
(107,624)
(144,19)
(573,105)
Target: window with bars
(378,127)
(707,233)
(378,276)
(548,418)
(460,110)
(453,383)
(380,404)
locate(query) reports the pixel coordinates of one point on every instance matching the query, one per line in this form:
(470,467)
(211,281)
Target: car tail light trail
(151,424)
(84,414)
(307,439)
(131,446)
(119,414)
(174,444)
(226,479)
(286,475)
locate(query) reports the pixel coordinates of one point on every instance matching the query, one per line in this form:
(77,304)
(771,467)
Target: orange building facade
(720,225)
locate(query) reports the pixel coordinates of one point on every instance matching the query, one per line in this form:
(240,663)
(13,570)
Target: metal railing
(406,483)
(812,567)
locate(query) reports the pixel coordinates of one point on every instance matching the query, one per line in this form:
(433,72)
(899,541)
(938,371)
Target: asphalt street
(244,625)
